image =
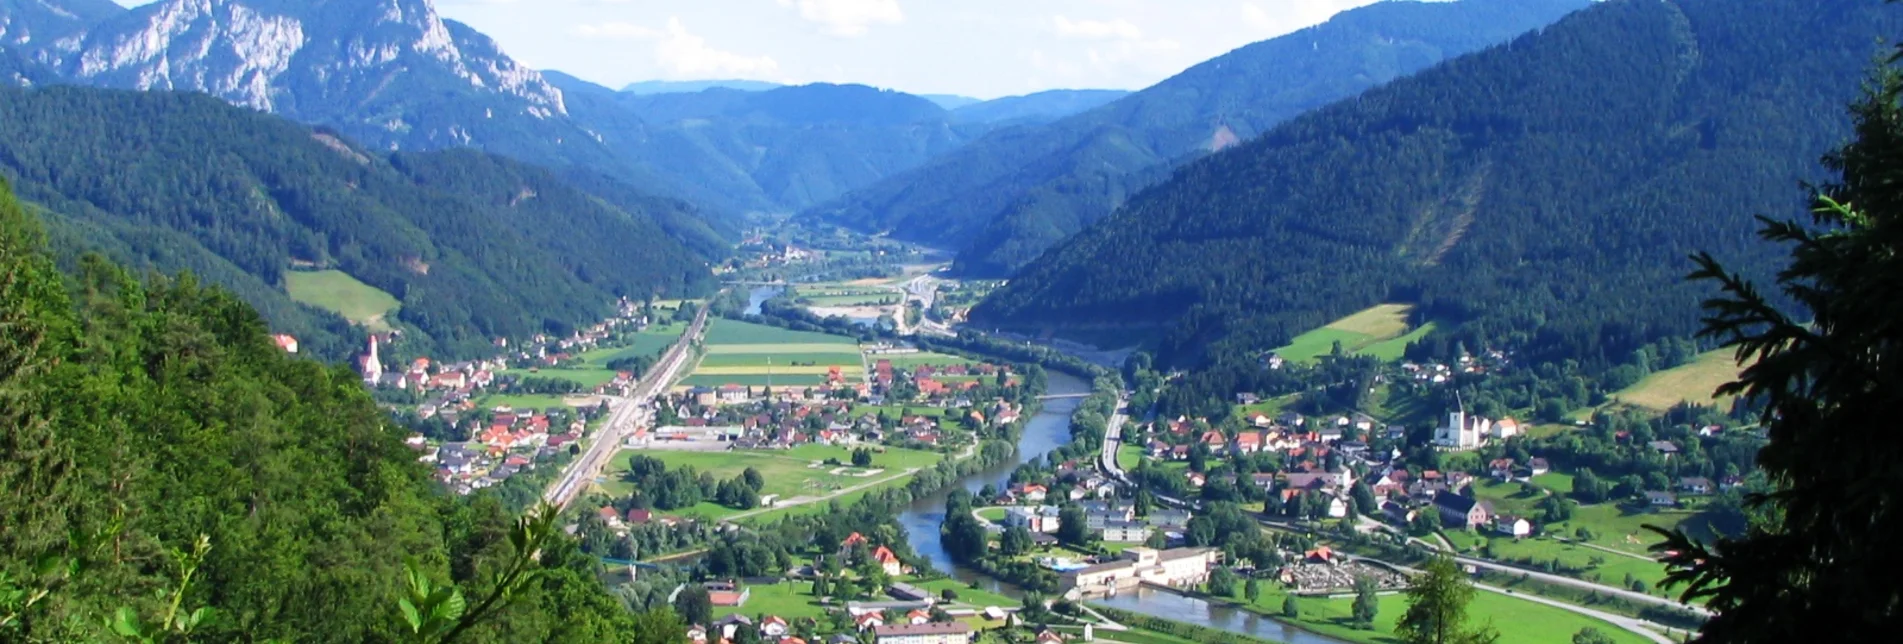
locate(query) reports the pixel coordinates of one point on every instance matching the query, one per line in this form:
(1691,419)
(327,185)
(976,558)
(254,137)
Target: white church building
(1463,432)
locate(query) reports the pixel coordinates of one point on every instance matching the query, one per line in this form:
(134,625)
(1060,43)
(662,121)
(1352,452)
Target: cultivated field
(1379,331)
(910,361)
(1691,382)
(740,353)
(338,292)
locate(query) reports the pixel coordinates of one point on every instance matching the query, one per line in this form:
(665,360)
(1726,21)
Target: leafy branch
(438,614)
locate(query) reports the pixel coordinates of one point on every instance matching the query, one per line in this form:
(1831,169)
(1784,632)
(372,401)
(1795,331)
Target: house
(773,627)
(697,633)
(888,561)
(1664,447)
(1337,508)
(1038,520)
(1259,420)
(1695,485)
(869,621)
(1125,532)
(854,539)
(1513,526)
(1291,419)
(638,516)
(1538,466)
(284,342)
(933,633)
(1249,442)
(1033,493)
(1501,468)
(1047,637)
(1661,499)
(918,616)
(1214,439)
(1458,511)
(730,626)
(909,593)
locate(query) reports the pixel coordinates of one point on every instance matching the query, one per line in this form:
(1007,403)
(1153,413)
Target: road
(1113,439)
(627,414)
(1580,583)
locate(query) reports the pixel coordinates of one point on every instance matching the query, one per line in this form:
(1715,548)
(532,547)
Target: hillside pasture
(1694,382)
(338,292)
(1380,331)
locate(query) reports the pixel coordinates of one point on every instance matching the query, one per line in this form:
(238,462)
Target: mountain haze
(1541,195)
(1040,107)
(1003,199)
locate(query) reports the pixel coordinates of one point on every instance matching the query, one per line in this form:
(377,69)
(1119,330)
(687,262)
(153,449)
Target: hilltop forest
(137,417)
(1542,196)
(474,246)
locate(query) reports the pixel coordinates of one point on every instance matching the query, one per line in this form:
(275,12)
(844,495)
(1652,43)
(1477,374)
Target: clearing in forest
(1380,331)
(338,292)
(1690,382)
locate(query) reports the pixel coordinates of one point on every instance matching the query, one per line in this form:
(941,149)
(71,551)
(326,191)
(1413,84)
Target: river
(1043,433)
(759,295)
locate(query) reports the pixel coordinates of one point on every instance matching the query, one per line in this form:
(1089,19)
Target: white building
(1463,432)
(1039,519)
(1180,567)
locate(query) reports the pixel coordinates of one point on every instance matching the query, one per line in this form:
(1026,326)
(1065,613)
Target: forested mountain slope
(1007,197)
(136,418)
(474,246)
(1542,195)
(777,150)
(1040,107)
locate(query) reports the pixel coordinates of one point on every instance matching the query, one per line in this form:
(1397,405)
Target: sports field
(1380,331)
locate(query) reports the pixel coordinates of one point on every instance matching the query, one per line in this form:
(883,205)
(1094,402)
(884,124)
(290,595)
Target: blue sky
(981,48)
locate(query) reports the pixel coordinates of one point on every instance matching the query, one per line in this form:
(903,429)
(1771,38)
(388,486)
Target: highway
(1113,438)
(627,414)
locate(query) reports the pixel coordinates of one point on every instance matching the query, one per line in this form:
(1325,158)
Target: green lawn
(1321,342)
(788,473)
(338,292)
(1463,540)
(994,515)
(1507,498)
(1611,570)
(848,361)
(647,343)
(968,595)
(1557,482)
(910,361)
(587,378)
(782,380)
(896,411)
(790,600)
(524,401)
(1615,528)
(1392,349)
(1129,456)
(1517,620)
(1271,407)
(724,331)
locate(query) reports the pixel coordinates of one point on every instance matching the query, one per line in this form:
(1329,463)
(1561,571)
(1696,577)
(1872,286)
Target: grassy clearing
(1270,407)
(1129,456)
(338,292)
(967,594)
(730,332)
(1557,482)
(788,473)
(1691,382)
(1602,567)
(910,361)
(790,600)
(1614,527)
(524,401)
(587,378)
(1380,331)
(761,370)
(1517,620)
(751,359)
(994,515)
(778,380)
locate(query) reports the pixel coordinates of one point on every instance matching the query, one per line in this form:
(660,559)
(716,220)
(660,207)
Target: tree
(862,457)
(658,626)
(1157,540)
(1590,635)
(1252,590)
(1829,385)
(1366,603)
(753,479)
(1437,608)
(1015,541)
(695,605)
(1073,526)
(1222,582)
(819,587)
(1290,609)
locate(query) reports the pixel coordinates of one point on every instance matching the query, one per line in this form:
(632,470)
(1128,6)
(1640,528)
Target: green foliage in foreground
(140,419)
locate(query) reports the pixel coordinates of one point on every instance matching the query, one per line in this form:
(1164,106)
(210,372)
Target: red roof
(884,555)
(855,539)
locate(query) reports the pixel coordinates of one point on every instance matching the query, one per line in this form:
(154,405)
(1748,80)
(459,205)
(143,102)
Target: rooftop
(934,628)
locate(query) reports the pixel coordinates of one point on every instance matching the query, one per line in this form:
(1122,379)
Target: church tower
(372,367)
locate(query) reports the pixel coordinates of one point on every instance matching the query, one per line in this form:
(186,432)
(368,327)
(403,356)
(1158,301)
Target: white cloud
(1118,29)
(848,17)
(683,54)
